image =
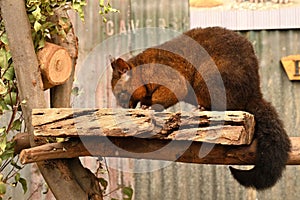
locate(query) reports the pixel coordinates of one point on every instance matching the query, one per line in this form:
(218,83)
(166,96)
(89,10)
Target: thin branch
(35,191)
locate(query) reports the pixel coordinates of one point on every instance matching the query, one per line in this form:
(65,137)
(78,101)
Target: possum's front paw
(201,108)
(155,107)
(144,107)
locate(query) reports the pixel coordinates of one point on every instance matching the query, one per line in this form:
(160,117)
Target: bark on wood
(61,94)
(30,88)
(141,148)
(156,149)
(60,97)
(231,128)
(56,65)
(21,141)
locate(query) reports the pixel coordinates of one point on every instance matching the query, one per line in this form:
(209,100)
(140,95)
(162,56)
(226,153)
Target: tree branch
(154,149)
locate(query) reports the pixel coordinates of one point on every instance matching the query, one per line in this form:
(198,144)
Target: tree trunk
(60,98)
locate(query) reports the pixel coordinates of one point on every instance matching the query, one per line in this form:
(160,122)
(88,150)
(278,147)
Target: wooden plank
(231,127)
(155,149)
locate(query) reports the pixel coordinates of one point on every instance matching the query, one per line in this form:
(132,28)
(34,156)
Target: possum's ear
(120,65)
(111,59)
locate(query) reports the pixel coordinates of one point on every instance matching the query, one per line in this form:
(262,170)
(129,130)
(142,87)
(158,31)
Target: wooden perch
(144,134)
(141,134)
(130,147)
(55,64)
(179,151)
(231,128)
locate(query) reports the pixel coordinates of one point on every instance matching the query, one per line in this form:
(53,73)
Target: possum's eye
(126,77)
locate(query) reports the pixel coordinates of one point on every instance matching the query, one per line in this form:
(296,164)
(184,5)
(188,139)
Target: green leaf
(75,91)
(3,105)
(3,143)
(78,7)
(7,150)
(49,10)
(22,181)
(3,88)
(2,188)
(3,58)
(9,73)
(103,182)
(127,191)
(31,18)
(17,124)
(37,26)
(41,43)
(101,3)
(7,155)
(11,98)
(10,145)
(105,9)
(24,184)
(17,177)
(4,38)
(30,3)
(37,13)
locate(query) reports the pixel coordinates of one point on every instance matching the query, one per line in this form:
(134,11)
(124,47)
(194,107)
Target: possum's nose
(123,98)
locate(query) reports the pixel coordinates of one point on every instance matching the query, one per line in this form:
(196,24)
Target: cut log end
(55,65)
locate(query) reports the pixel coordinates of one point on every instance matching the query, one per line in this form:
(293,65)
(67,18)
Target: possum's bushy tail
(273,146)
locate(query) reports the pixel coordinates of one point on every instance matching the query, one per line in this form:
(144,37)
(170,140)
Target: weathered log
(155,149)
(145,134)
(142,134)
(55,64)
(231,128)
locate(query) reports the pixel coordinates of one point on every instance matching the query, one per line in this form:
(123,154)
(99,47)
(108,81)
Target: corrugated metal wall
(191,181)
(284,94)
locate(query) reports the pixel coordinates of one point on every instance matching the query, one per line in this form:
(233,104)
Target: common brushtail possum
(218,52)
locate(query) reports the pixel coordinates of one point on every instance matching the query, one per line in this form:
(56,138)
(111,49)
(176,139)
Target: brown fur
(217,69)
